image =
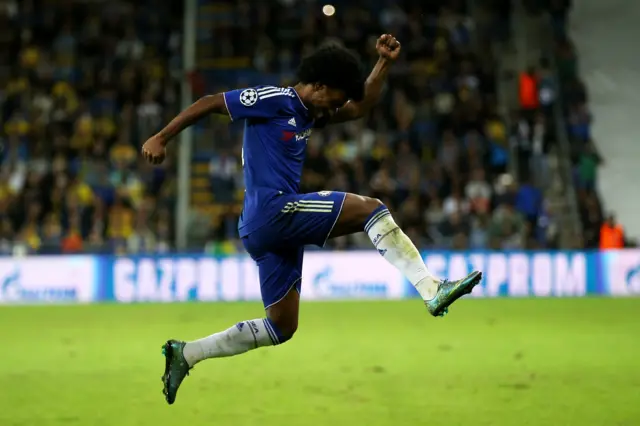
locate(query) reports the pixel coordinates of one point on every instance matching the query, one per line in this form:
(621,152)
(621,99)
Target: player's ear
(318,87)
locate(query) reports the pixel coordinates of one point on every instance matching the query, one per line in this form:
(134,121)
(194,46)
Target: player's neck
(302,90)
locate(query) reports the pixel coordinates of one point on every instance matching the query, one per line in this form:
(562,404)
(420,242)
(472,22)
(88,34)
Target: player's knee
(283,317)
(369,206)
(285,328)
(288,332)
(358,210)
(373,204)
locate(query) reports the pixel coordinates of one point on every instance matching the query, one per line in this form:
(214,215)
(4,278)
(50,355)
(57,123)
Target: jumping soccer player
(277,221)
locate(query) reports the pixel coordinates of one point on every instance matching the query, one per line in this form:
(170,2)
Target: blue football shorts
(278,247)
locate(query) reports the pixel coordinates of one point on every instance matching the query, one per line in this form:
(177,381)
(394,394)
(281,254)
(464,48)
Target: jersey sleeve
(258,102)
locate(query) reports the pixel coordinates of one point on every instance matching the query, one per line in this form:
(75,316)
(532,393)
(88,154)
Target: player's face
(325,101)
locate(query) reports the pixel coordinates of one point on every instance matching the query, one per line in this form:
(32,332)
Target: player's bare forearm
(372,91)
(389,49)
(210,104)
(374,84)
(154,149)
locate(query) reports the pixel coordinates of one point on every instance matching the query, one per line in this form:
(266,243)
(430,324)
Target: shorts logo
(324,193)
(248,97)
(240,326)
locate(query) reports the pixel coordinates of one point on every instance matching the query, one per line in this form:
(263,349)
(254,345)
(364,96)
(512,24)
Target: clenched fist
(388,47)
(154,150)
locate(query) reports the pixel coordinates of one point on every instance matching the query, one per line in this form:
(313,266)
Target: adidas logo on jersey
(292,122)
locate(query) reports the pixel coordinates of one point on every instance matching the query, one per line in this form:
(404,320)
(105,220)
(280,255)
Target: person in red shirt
(528,92)
(611,234)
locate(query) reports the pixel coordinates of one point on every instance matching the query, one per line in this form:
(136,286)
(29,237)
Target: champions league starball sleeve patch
(248,97)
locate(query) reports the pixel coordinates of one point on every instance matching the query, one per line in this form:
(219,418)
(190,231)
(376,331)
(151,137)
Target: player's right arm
(154,149)
(210,104)
(239,104)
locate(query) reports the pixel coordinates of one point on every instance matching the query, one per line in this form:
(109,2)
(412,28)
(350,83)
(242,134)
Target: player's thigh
(355,211)
(280,275)
(308,219)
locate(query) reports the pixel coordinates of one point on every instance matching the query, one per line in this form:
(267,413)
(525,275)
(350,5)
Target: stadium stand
(83,85)
(94,79)
(598,231)
(431,150)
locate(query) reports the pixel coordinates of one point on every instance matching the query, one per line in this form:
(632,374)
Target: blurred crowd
(85,83)
(435,150)
(534,133)
(600,230)
(82,85)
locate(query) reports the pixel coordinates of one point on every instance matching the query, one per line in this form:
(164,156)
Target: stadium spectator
(592,218)
(529,201)
(528,92)
(587,167)
(611,234)
(547,91)
(507,230)
(478,192)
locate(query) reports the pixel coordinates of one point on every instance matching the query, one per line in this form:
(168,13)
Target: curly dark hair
(335,67)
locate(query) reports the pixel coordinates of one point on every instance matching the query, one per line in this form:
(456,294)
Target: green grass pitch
(500,362)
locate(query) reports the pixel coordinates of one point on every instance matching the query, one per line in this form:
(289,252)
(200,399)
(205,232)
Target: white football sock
(240,338)
(397,248)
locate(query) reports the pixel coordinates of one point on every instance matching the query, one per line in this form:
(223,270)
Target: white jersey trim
(271,91)
(299,98)
(224,97)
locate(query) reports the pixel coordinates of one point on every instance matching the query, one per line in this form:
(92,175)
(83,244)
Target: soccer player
(277,220)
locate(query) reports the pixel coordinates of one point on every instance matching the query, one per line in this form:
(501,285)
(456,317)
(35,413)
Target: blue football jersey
(277,128)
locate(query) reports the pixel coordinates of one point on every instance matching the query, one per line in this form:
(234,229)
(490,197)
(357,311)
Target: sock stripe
(266,327)
(382,213)
(373,218)
(276,339)
(270,332)
(255,339)
(373,214)
(384,236)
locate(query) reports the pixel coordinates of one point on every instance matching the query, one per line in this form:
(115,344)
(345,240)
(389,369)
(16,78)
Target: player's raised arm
(388,48)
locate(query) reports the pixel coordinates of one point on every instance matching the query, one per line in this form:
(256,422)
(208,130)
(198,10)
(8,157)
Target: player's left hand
(388,47)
